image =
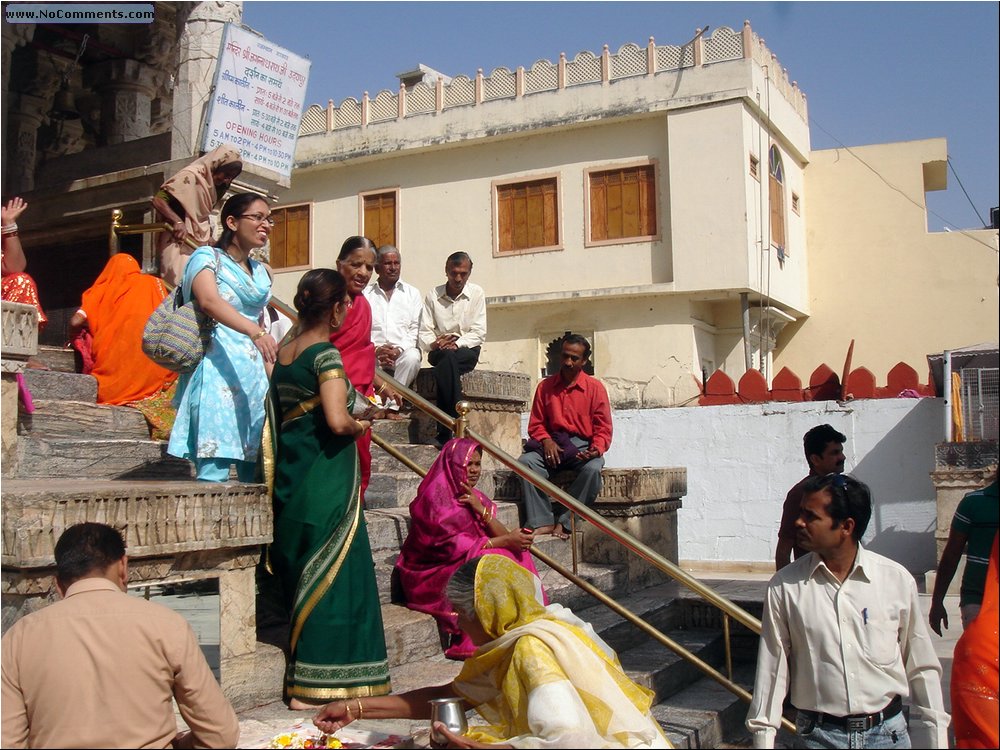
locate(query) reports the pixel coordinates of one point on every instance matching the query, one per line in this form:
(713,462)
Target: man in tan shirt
(99,668)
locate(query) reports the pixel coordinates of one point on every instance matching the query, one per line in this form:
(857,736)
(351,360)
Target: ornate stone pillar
(14,35)
(126,88)
(197,57)
(26,116)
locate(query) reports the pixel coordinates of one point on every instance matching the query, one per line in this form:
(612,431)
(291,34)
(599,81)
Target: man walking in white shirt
(452,331)
(395,317)
(843,629)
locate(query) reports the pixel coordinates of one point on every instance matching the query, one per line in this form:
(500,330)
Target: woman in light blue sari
(220,406)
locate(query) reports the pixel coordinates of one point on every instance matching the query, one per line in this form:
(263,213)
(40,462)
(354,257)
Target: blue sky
(872,72)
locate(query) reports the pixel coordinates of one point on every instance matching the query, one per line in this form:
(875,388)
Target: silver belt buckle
(857,724)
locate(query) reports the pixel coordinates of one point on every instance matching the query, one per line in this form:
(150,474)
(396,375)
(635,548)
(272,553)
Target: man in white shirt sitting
(452,331)
(395,317)
(843,628)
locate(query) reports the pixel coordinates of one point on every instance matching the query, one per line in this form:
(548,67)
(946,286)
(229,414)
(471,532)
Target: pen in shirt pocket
(864,615)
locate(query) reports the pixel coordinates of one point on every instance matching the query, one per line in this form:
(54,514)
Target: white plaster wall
(741,460)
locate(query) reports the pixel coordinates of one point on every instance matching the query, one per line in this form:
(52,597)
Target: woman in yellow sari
(541,677)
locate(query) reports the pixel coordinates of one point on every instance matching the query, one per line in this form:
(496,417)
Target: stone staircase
(77,460)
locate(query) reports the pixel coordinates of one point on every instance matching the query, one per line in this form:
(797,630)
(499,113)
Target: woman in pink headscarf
(451,523)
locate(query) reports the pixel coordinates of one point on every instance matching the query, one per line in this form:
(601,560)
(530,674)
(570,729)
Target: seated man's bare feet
(559,532)
(544,530)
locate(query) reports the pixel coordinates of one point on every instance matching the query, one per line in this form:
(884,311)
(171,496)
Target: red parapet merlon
(902,377)
(753,387)
(824,384)
(787,386)
(861,384)
(719,391)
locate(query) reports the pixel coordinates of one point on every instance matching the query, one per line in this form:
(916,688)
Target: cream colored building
(679,149)
(876,275)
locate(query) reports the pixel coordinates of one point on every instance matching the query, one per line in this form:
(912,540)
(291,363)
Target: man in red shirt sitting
(569,429)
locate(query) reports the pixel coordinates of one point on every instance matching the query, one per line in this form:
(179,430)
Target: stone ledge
(621,486)
(502,390)
(157,518)
(19,323)
(976,454)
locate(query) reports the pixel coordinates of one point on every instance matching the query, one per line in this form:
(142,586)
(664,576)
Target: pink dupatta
(443,535)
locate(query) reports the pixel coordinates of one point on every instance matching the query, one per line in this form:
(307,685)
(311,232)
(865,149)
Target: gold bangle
(347,710)
(489,544)
(361,710)
(260,334)
(381,388)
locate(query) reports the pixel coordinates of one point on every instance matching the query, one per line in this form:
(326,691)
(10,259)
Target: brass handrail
(647,553)
(121,230)
(729,609)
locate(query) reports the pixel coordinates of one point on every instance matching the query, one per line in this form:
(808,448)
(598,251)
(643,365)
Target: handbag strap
(218,265)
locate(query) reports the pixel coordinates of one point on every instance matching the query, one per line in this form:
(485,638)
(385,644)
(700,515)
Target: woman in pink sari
(451,523)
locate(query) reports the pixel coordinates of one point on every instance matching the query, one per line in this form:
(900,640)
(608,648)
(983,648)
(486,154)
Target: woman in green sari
(321,550)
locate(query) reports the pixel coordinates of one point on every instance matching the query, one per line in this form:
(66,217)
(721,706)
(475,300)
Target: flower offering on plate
(304,739)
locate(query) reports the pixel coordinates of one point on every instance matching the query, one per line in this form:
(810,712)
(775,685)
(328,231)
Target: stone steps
(82,420)
(98,459)
(63,386)
(705,714)
(59,358)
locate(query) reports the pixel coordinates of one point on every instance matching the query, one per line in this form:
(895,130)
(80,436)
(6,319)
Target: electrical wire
(921,206)
(959,180)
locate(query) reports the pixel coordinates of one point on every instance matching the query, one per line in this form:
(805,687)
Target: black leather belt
(857,722)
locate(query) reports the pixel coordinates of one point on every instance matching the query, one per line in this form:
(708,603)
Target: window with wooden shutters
(776,199)
(622,203)
(290,237)
(378,221)
(527,215)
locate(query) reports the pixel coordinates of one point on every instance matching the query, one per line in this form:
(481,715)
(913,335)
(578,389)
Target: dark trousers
(449,366)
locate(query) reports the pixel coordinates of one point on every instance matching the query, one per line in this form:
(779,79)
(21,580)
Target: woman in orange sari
(975,673)
(115,309)
(17,286)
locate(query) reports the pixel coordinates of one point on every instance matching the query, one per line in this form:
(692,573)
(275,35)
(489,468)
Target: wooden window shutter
(623,203)
(776,198)
(527,215)
(380,218)
(290,237)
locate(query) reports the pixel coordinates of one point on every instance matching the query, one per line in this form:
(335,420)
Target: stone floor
(259,724)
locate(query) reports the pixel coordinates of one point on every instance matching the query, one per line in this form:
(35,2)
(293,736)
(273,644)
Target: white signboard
(257,101)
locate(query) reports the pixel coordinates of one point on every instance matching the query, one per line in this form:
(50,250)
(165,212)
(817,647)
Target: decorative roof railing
(585,69)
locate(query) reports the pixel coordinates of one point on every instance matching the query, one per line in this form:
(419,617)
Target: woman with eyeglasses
(220,407)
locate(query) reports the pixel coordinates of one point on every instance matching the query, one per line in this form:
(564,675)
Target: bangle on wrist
(489,544)
(259,335)
(9,228)
(361,710)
